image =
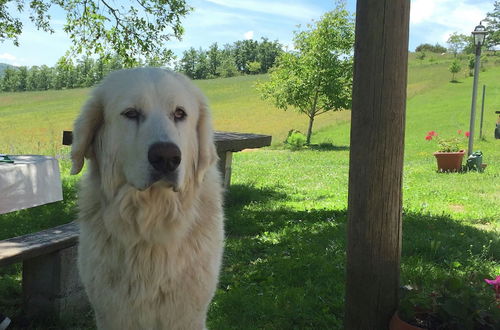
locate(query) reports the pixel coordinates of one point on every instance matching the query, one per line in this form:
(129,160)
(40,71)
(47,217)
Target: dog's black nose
(165,157)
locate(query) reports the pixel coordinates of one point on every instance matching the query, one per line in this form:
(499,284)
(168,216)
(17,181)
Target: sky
(226,21)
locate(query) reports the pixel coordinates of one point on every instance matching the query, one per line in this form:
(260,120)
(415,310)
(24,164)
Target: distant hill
(4,66)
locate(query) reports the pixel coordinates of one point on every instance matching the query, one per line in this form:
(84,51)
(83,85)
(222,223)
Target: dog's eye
(179,114)
(131,113)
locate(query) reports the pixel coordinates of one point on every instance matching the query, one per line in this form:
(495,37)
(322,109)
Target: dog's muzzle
(165,158)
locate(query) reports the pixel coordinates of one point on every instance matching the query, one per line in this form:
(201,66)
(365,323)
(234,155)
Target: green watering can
(475,161)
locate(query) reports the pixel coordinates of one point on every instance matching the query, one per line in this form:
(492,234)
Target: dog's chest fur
(154,254)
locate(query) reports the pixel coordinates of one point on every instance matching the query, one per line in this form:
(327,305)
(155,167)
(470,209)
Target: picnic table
(226,143)
(51,284)
(28,181)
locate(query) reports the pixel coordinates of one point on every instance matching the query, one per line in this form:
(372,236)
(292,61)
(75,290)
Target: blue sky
(225,21)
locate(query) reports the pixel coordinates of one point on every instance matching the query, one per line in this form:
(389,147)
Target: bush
(420,56)
(454,69)
(295,140)
(437,48)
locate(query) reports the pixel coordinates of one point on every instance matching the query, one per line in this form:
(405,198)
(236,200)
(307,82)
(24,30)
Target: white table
(30,181)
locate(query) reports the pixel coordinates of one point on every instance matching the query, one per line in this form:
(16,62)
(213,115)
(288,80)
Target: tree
(317,76)
(254,67)
(267,52)
(103,27)
(10,79)
(187,64)
(437,48)
(457,43)
(201,70)
(245,51)
(214,60)
(23,77)
(493,25)
(454,69)
(227,66)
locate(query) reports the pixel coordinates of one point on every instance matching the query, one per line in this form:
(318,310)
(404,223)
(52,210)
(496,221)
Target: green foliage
(454,303)
(242,57)
(458,43)
(493,25)
(99,27)
(449,145)
(316,77)
(86,72)
(452,144)
(421,56)
(437,48)
(254,67)
(295,140)
(454,69)
(284,261)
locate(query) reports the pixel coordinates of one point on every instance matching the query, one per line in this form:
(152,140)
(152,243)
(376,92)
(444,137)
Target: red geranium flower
(428,137)
(467,134)
(432,133)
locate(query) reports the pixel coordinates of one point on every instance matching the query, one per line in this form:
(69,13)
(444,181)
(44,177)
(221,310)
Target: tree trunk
(309,129)
(376,163)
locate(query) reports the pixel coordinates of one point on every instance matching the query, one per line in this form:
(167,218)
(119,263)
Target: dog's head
(143,126)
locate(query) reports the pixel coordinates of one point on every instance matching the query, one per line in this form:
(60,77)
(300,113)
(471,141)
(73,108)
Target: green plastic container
(475,162)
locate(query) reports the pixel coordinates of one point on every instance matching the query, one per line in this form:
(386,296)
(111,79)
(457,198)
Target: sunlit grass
(286,211)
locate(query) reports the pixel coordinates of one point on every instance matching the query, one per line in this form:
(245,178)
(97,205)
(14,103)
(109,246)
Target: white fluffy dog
(151,219)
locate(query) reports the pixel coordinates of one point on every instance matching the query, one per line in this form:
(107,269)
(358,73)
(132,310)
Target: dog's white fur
(149,251)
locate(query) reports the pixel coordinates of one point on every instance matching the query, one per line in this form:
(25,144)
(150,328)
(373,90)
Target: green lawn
(286,211)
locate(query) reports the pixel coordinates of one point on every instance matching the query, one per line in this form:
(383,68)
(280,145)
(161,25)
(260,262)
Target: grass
(286,211)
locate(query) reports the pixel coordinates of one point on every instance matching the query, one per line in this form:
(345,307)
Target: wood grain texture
(33,245)
(376,163)
(225,141)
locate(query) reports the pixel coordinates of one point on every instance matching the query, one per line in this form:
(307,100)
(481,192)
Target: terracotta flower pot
(397,324)
(449,161)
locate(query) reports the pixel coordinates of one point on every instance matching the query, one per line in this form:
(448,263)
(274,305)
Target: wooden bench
(51,284)
(226,143)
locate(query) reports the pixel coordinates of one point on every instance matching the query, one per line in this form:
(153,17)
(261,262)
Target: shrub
(454,68)
(295,140)
(437,48)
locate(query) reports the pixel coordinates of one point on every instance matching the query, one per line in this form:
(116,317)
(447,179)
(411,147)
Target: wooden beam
(376,162)
(225,141)
(41,243)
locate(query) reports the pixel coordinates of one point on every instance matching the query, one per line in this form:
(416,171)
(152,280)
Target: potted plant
(453,304)
(450,151)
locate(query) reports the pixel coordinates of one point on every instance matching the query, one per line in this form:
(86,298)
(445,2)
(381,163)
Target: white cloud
(290,10)
(7,57)
(453,15)
(248,35)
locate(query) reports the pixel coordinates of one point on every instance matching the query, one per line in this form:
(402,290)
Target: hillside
(32,122)
(4,66)
(286,212)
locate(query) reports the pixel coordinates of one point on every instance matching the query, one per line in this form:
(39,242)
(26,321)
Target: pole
(376,163)
(474,96)
(482,113)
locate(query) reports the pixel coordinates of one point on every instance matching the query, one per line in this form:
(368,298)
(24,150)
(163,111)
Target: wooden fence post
(376,162)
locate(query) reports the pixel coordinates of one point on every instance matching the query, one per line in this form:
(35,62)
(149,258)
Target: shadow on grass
(284,268)
(328,147)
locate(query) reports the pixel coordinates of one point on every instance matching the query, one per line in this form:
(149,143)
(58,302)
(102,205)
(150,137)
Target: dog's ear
(84,130)
(207,154)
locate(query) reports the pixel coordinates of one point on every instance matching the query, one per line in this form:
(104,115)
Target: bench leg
(52,287)
(225,160)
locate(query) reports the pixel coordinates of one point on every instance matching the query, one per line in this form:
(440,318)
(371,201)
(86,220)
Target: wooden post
(376,162)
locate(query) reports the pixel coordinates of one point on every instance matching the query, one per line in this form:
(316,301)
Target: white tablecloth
(30,181)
